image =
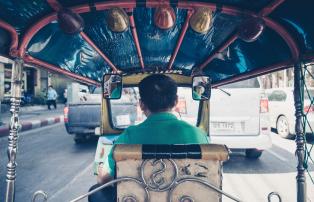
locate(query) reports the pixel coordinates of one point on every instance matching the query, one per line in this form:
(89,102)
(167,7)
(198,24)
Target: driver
(158,96)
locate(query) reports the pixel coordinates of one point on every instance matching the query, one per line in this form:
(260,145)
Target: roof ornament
(164,17)
(201,20)
(251,29)
(70,22)
(117,20)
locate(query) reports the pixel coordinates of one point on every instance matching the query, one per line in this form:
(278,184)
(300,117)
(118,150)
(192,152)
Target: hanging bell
(70,22)
(201,20)
(251,29)
(164,17)
(117,20)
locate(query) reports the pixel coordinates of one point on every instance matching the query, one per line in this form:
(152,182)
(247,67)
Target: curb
(5,130)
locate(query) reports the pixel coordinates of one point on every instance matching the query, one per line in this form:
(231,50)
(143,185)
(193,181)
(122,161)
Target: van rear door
(236,112)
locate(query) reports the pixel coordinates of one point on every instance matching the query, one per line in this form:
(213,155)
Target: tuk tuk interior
(226,40)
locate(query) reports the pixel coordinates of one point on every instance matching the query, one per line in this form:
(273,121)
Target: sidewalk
(32,117)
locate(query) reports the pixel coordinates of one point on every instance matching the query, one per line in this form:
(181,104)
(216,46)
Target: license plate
(222,126)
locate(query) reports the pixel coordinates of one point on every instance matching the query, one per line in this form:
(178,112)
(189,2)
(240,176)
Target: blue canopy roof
(287,38)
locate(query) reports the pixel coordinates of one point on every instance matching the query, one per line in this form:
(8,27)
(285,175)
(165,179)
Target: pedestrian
(51,97)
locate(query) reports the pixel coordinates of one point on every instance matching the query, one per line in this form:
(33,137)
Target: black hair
(158,92)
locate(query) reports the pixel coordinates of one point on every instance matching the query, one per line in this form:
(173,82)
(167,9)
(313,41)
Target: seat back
(162,173)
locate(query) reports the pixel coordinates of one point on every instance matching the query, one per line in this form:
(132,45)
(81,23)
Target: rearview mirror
(201,87)
(112,86)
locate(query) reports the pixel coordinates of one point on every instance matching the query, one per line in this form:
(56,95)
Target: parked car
(239,117)
(282,111)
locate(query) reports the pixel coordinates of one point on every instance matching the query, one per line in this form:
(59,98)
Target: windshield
(126,111)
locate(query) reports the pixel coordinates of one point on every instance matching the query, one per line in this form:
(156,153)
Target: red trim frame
(271,7)
(57,6)
(272,25)
(293,46)
(14,37)
(309,57)
(54,4)
(181,4)
(92,44)
(128,4)
(135,38)
(35,61)
(223,46)
(181,37)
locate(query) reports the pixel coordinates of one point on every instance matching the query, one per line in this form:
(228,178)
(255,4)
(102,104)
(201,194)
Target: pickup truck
(82,113)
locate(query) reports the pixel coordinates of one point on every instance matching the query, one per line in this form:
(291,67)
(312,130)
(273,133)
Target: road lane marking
(277,156)
(79,175)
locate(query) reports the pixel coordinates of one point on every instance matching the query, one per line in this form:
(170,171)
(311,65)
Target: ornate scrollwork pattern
(156,169)
(157,180)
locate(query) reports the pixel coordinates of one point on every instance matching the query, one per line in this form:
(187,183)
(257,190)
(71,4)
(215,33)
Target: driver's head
(158,93)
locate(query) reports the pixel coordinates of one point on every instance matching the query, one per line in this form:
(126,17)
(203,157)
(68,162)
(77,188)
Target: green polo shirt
(160,128)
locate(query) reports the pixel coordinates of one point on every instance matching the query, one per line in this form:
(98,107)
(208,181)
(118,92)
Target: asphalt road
(49,160)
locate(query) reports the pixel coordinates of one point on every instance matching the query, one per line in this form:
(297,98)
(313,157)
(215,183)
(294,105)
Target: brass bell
(164,17)
(201,20)
(117,20)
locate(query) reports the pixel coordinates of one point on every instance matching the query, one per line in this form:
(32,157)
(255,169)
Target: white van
(239,117)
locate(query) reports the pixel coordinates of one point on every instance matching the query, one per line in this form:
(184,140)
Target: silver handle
(40,193)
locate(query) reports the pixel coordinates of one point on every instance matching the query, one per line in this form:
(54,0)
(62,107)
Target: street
(49,160)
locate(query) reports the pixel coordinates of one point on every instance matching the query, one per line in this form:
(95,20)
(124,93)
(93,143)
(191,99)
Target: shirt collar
(161,116)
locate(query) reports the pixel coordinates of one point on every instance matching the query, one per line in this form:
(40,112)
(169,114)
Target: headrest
(189,151)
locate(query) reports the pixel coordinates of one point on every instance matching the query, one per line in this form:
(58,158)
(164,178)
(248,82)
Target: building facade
(285,78)
(35,82)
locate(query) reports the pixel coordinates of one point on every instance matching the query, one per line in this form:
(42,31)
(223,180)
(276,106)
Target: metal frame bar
(92,44)
(16,91)
(308,57)
(135,38)
(300,150)
(35,61)
(284,34)
(223,46)
(271,24)
(271,7)
(181,4)
(54,4)
(181,37)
